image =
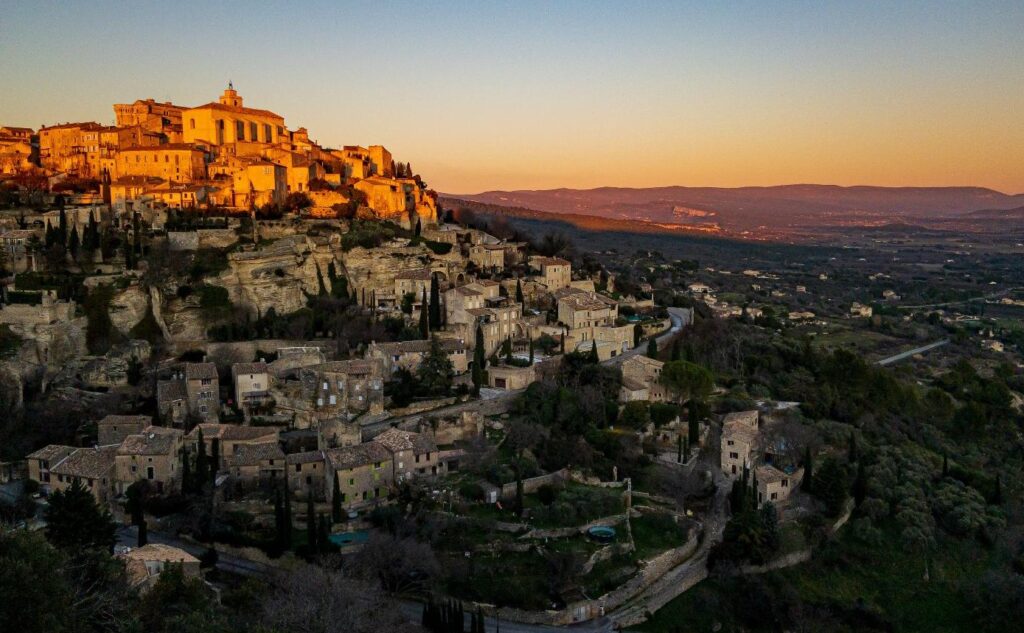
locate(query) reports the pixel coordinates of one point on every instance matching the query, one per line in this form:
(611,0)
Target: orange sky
(572,94)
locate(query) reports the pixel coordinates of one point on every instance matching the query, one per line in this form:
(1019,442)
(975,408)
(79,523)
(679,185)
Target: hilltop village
(252,367)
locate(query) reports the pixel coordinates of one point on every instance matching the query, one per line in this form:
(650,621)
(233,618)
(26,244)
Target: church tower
(230,97)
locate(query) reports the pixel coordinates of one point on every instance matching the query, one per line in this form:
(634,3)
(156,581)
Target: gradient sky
(487,95)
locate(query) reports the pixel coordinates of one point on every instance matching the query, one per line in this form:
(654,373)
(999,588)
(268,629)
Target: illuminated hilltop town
(219,154)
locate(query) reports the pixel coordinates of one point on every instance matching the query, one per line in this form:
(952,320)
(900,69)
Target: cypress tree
(563,342)
(808,470)
(479,361)
(424,324)
(676,352)
(693,422)
(214,458)
(652,348)
(519,292)
(186,472)
(945,465)
(287,518)
(62,230)
(853,454)
(73,243)
(310,521)
(336,501)
(202,466)
(143,533)
(435,304)
(531,351)
(508,350)
(323,539)
(419,228)
(594,358)
(679,448)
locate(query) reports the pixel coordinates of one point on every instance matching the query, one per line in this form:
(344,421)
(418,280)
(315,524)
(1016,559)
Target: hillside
(747,211)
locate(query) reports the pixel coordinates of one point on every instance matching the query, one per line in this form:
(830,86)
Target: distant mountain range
(768,212)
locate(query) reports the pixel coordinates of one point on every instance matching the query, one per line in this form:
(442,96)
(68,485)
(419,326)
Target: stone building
(93,467)
(228,121)
(257,464)
(488,256)
(202,388)
(40,462)
(307,472)
(345,387)
(409,354)
(364,473)
(112,429)
(228,438)
(412,454)
(251,384)
(145,564)
(641,380)
(153,455)
(774,485)
(555,272)
(177,163)
(510,377)
(739,441)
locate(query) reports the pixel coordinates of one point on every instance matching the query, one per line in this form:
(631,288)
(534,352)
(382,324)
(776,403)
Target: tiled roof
(233,432)
(350,366)
(144,420)
(200,371)
(305,458)
(52,453)
(421,346)
(397,440)
(359,455)
(249,368)
(154,440)
(213,105)
(253,454)
(420,274)
(551,261)
(159,552)
(90,463)
(645,360)
(770,474)
(168,390)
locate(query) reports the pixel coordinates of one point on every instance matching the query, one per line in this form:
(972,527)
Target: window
(334,399)
(239,130)
(192,124)
(352,481)
(376,492)
(252,131)
(775,496)
(266,133)
(734,455)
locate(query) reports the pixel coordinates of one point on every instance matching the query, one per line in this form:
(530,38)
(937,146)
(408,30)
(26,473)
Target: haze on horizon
(574,94)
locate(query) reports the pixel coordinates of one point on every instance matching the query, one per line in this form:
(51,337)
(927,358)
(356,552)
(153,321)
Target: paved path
(907,354)
(680,317)
(682,577)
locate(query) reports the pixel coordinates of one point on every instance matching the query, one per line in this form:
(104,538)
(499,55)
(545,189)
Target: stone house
(510,377)
(114,428)
(488,256)
(412,454)
(172,401)
(739,441)
(774,485)
(202,388)
(555,272)
(251,384)
(307,471)
(145,564)
(255,464)
(93,467)
(364,473)
(641,378)
(153,455)
(40,462)
(228,438)
(409,354)
(350,386)
(605,349)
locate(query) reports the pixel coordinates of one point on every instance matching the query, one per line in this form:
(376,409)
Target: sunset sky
(517,95)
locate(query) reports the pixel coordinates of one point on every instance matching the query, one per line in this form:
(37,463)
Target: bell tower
(230,97)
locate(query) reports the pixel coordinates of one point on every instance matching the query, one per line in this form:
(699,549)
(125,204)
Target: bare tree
(311,599)
(398,564)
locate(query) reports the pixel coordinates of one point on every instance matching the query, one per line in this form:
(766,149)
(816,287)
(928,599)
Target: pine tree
(652,348)
(519,293)
(336,501)
(424,324)
(435,304)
